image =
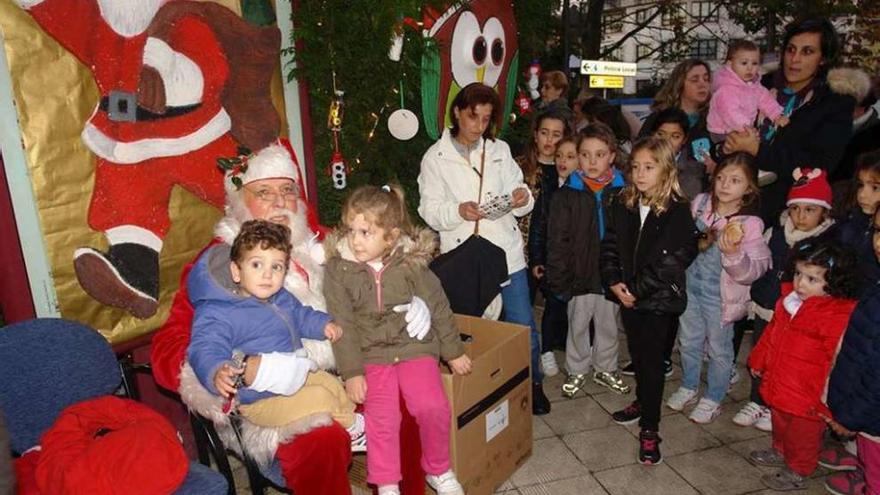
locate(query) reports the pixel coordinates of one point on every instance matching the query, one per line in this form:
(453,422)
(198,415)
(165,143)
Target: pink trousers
(418,381)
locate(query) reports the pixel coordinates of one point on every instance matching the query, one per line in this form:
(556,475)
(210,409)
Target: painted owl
(472,41)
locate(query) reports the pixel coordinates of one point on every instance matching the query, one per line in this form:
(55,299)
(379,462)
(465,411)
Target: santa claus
(315,461)
(181,83)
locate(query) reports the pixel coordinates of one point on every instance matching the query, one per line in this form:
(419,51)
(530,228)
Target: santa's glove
(283,372)
(418,317)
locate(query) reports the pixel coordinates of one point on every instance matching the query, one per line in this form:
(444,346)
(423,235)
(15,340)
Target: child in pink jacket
(732,256)
(738,95)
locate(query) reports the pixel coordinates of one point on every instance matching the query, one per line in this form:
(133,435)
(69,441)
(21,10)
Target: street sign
(608,68)
(615,82)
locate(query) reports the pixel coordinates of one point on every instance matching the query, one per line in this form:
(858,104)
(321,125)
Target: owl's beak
(481,74)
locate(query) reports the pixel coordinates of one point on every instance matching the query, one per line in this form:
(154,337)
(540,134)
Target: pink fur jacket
(735,103)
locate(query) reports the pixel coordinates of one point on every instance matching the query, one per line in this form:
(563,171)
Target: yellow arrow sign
(615,82)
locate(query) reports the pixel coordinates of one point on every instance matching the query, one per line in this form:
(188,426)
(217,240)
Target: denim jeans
(700,328)
(518,309)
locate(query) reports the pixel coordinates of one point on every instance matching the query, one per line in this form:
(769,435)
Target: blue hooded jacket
(226,321)
(576,181)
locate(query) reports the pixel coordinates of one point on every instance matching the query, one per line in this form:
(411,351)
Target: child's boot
(784,480)
(389,490)
(358,434)
(847,483)
(573,383)
(445,484)
(649,447)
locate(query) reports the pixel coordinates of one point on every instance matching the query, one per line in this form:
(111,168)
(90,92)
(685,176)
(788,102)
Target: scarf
(598,183)
(793,235)
(789,99)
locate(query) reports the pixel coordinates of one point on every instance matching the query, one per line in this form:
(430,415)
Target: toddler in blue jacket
(242,310)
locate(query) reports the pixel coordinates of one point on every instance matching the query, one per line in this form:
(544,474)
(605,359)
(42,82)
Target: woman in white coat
(449,183)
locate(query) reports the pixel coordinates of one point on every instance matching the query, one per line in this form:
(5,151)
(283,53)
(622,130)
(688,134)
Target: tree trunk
(592,35)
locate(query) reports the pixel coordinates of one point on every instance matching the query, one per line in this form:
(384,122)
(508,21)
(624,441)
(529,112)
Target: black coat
(537,242)
(650,259)
(816,137)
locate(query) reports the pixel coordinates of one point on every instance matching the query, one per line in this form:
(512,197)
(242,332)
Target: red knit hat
(811,187)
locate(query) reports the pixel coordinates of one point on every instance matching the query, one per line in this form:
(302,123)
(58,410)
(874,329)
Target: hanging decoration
(533,76)
(402,123)
(472,41)
(523,102)
(337,169)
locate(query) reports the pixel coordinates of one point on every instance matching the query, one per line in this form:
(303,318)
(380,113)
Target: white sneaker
(734,376)
(445,484)
(705,412)
(765,422)
(548,364)
(749,414)
(357,432)
(681,398)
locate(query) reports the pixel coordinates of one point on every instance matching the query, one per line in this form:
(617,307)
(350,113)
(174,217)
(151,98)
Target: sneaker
(612,381)
(705,412)
(784,480)
(540,403)
(629,369)
(667,368)
(681,398)
(765,422)
(548,364)
(628,415)
(649,448)
(847,483)
(769,457)
(445,484)
(573,383)
(749,414)
(389,490)
(734,378)
(357,431)
(838,459)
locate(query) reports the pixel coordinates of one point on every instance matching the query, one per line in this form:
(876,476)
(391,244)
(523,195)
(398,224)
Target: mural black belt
(122,107)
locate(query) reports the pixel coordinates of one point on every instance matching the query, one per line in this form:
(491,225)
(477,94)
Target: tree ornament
(523,103)
(337,168)
(534,79)
(402,123)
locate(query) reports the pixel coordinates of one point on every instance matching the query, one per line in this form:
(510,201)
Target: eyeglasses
(270,195)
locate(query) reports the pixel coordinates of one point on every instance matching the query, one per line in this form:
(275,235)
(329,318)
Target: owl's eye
(473,48)
(479,50)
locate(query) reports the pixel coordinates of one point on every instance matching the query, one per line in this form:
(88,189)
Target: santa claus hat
(810,187)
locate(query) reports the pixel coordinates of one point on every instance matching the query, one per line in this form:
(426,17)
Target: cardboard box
(491,432)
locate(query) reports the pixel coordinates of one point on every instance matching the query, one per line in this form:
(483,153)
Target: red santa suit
(160,122)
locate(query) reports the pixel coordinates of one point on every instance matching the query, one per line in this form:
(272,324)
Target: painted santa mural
(180,85)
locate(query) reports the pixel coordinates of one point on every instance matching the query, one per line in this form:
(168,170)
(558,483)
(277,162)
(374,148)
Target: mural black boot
(126,277)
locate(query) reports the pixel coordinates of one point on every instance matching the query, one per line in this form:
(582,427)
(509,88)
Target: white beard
(129,18)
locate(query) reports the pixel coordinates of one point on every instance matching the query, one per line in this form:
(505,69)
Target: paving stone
(582,485)
(718,471)
(576,415)
(540,428)
(551,461)
(605,448)
(641,480)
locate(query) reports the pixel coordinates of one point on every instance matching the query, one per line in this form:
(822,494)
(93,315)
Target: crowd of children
(659,243)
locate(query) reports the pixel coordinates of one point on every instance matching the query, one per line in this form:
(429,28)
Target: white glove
(418,317)
(283,372)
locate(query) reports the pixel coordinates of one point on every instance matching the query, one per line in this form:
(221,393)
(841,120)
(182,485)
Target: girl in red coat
(795,355)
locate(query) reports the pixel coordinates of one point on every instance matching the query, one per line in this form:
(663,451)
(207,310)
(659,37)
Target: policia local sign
(605,74)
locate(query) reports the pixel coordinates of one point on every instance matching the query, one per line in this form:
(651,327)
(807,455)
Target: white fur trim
(123,153)
(260,442)
(182,78)
(26,4)
(135,235)
(271,162)
(849,81)
(129,17)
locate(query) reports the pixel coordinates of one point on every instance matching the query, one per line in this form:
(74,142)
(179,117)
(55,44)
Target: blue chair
(48,364)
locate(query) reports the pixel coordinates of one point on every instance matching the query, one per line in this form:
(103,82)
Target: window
(672,15)
(643,84)
(643,51)
(704,11)
(612,22)
(643,14)
(704,49)
(615,55)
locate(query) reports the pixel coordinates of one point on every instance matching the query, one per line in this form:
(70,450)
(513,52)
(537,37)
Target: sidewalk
(578,450)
